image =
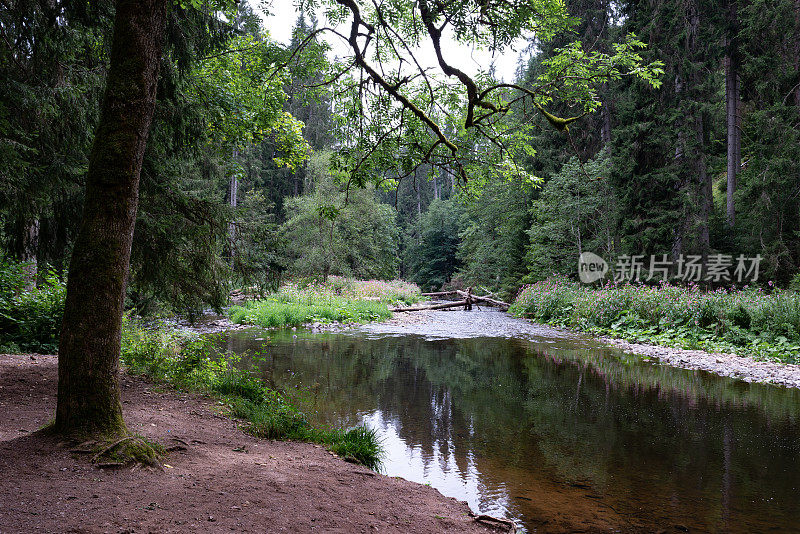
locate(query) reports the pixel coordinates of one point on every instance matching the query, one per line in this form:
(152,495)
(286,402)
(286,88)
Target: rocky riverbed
(731,365)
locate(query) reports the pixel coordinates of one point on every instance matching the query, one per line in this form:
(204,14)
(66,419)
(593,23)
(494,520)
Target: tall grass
(750,320)
(339,300)
(190,362)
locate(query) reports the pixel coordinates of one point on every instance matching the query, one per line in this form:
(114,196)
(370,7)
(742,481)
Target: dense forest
(198,216)
(249,175)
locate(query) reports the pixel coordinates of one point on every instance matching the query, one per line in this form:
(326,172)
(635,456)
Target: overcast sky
(283,16)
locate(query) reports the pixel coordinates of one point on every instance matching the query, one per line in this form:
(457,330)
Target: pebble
(732,365)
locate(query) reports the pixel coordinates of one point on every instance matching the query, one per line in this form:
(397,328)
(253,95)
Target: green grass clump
(358,445)
(273,418)
(748,321)
(272,312)
(339,299)
(191,362)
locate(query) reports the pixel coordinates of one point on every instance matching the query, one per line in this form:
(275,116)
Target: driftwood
(446,305)
(468,300)
(495,302)
(440,293)
(502,524)
(455,304)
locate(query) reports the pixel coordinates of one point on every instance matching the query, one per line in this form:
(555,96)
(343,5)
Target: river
(553,430)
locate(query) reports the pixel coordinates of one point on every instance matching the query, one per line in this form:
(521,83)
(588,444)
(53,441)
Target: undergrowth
(747,321)
(339,299)
(30,318)
(189,362)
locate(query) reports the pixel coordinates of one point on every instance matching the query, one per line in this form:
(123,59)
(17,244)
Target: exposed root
(110,447)
(128,450)
(87,447)
(495,522)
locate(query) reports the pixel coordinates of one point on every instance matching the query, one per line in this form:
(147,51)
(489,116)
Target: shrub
(30,318)
(337,300)
(188,361)
(747,320)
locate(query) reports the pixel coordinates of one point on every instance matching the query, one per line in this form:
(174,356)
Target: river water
(553,430)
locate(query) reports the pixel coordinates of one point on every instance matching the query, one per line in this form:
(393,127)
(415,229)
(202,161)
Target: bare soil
(223,481)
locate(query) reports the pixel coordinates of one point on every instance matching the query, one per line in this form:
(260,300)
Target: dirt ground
(224,480)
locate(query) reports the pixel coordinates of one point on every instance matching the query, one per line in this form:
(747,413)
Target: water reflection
(562,436)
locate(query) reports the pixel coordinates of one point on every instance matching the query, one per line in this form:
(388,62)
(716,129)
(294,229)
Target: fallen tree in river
(468,300)
(487,299)
(454,304)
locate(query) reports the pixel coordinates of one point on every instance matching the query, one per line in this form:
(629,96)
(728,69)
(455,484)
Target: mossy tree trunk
(89,350)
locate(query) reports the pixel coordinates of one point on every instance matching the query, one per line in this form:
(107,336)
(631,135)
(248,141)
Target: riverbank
(460,324)
(748,321)
(217,478)
(338,300)
(743,368)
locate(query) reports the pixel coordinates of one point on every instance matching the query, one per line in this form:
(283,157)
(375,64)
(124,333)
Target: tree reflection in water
(561,436)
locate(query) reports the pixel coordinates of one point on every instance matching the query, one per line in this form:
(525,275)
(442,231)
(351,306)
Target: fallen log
(439,293)
(495,302)
(446,305)
(498,303)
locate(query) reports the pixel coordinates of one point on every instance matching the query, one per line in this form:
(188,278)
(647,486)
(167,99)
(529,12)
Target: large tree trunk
(797,51)
(732,108)
(88,362)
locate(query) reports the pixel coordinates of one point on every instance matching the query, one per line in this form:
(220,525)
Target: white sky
(283,17)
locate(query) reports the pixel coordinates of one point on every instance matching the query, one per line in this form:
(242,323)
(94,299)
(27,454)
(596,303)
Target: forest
(166,165)
(248,176)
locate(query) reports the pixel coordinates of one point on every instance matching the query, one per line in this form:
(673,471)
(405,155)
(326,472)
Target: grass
(339,300)
(189,362)
(749,321)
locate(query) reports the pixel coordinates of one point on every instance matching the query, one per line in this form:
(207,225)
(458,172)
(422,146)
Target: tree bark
(797,51)
(233,201)
(444,306)
(30,248)
(732,108)
(89,350)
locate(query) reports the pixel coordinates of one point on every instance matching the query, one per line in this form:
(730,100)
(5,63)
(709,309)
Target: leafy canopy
(398,112)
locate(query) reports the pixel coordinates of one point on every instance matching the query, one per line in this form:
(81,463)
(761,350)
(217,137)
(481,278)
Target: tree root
(128,450)
(509,526)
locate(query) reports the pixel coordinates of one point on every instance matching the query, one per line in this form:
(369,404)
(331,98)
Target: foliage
(396,113)
(242,92)
(749,320)
(30,318)
(186,361)
(331,231)
(575,212)
(339,299)
(431,252)
(493,237)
